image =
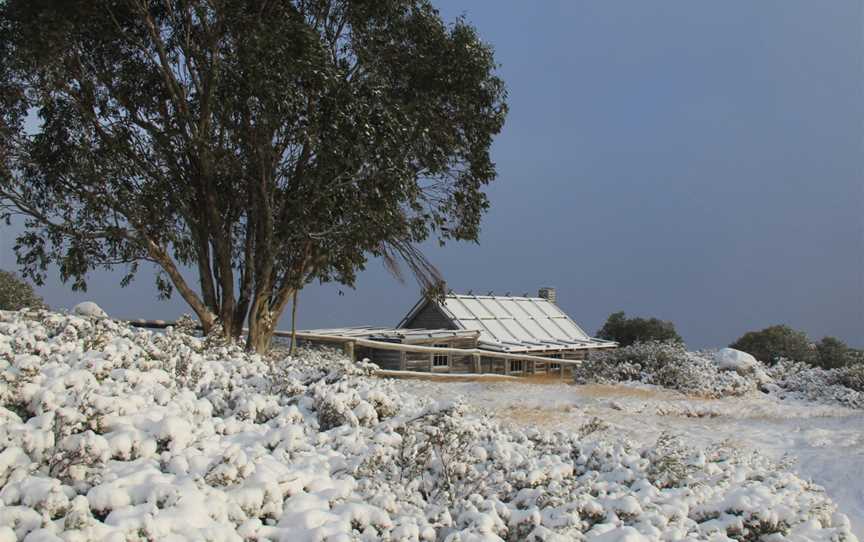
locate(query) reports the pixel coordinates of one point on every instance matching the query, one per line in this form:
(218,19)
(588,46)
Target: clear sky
(701,162)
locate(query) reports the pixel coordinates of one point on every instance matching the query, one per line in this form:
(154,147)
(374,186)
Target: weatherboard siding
(429,317)
(386,359)
(421,361)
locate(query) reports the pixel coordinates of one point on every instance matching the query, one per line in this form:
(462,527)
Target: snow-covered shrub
(852,377)
(186,324)
(113,438)
(721,374)
(804,381)
(438,455)
(594,425)
(664,364)
(671,462)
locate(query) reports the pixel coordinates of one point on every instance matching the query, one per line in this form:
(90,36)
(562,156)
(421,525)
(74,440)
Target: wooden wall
(386,359)
(429,317)
(421,362)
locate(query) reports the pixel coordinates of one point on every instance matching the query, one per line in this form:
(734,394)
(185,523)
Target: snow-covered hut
(471,333)
(531,325)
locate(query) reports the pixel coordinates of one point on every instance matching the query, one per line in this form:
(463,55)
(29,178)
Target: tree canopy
(262,144)
(626,331)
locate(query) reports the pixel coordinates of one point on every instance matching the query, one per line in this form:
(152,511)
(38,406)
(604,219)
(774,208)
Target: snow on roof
(514,323)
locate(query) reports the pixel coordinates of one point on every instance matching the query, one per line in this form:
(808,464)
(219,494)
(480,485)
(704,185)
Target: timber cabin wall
(502,366)
(386,359)
(421,361)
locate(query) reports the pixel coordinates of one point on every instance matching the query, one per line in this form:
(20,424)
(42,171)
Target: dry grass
(609,390)
(551,378)
(533,416)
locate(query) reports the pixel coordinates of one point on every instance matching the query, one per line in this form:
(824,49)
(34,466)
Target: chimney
(548,294)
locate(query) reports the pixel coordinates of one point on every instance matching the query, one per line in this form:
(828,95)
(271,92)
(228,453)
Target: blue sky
(702,162)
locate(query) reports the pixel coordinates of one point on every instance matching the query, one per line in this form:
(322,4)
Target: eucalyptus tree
(262,144)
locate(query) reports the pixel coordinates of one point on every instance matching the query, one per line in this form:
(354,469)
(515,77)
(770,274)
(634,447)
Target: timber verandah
(458,354)
(420,357)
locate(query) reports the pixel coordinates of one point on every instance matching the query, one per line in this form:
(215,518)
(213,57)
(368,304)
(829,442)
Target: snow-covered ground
(112,433)
(825,442)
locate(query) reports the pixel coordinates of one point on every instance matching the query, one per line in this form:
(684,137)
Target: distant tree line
(767,345)
(781,341)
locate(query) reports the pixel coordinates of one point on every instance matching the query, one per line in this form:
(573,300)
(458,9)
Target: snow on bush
(843,385)
(113,433)
(670,365)
(724,373)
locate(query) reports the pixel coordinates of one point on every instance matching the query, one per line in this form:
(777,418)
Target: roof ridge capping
(499,296)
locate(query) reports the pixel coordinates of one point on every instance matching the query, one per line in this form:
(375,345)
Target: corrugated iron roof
(511,324)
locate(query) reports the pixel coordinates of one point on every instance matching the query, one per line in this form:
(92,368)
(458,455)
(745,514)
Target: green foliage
(15,294)
(831,352)
(772,343)
(626,331)
(262,144)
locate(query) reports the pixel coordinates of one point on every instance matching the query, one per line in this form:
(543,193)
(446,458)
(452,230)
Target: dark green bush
(15,294)
(832,352)
(772,343)
(626,331)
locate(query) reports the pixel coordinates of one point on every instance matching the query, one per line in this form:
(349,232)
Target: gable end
(429,316)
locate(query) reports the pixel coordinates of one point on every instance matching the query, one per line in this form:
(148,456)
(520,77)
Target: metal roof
(514,324)
(390,334)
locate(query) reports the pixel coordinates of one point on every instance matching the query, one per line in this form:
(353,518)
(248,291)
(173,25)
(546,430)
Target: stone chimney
(548,294)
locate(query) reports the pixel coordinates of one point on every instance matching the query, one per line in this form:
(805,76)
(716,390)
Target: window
(517,365)
(441,360)
(555,366)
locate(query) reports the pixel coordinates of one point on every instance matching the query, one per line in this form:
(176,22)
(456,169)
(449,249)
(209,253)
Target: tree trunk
(205,315)
(259,338)
(263,317)
(261,327)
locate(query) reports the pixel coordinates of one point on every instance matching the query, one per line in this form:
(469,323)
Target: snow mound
(89,309)
(735,360)
(114,433)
